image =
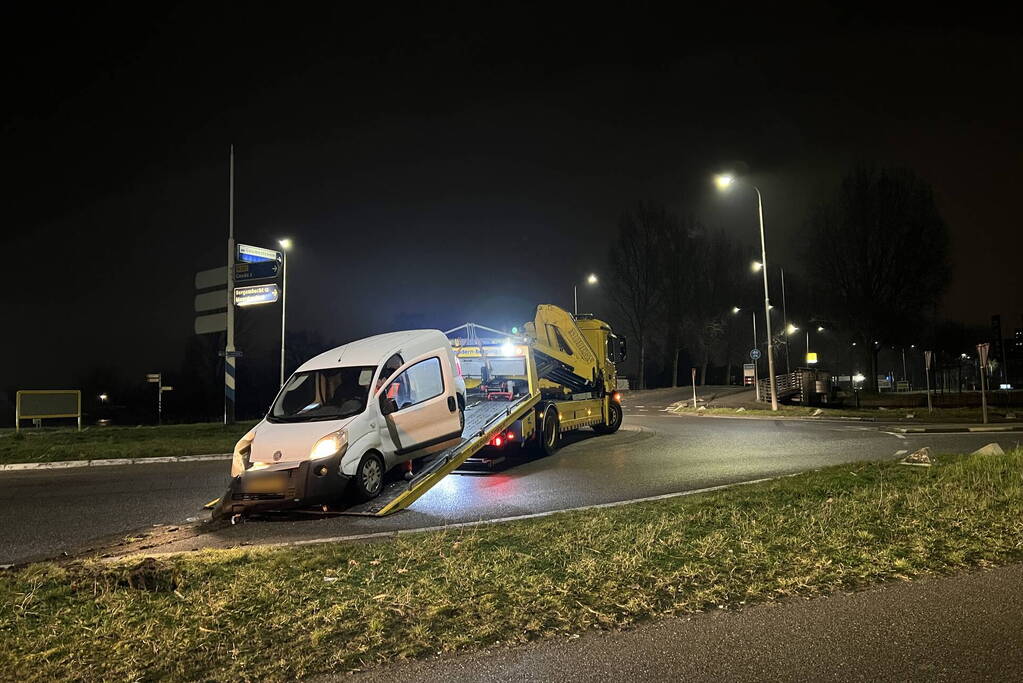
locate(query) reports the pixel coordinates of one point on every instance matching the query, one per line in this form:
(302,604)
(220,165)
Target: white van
(348,416)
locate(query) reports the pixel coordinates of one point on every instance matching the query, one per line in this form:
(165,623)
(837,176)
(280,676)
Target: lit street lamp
(591,279)
(724,182)
(285,244)
(103,398)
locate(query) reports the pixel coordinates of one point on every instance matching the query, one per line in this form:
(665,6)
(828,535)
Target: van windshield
(329,394)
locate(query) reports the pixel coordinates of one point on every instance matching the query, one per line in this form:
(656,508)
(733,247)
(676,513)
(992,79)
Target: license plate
(270,484)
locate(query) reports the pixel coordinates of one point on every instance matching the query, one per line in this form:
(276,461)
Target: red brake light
(617,397)
(510,436)
(498,440)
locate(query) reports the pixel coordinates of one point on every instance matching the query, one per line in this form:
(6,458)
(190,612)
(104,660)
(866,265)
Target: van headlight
(331,444)
(242,451)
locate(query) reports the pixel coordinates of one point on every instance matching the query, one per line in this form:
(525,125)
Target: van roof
(376,349)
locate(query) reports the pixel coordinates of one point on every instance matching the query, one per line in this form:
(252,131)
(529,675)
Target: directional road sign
(214,322)
(256,270)
(214,277)
(211,301)
(754,354)
(255,295)
(250,254)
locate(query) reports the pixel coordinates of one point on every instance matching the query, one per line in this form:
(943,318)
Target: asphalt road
(961,628)
(47,512)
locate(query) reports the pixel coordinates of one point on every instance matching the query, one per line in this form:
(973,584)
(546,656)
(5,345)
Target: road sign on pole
(982,352)
(250,254)
(754,354)
(255,295)
(258,270)
(214,277)
(208,324)
(211,301)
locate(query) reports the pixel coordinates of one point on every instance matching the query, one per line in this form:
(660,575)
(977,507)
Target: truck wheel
(614,420)
(461,420)
(550,435)
(369,477)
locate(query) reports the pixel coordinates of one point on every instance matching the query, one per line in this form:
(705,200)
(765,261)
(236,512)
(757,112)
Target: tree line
(873,271)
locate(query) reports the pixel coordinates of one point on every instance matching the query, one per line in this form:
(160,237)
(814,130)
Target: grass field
(94,443)
(288,613)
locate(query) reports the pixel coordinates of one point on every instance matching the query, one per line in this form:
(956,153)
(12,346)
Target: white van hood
(292,440)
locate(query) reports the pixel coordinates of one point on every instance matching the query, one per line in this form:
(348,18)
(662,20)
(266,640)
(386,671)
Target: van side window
(419,383)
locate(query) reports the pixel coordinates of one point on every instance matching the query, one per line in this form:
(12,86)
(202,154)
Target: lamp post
(723,183)
(591,279)
(285,244)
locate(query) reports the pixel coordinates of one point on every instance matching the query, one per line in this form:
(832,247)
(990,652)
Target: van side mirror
(622,349)
(387,405)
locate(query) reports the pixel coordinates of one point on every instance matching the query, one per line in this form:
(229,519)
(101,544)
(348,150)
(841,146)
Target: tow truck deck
(483,421)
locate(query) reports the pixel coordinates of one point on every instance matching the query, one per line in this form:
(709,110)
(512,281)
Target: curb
(957,430)
(67,464)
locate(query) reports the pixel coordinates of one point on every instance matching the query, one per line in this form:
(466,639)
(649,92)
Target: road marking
(897,436)
(463,525)
(901,452)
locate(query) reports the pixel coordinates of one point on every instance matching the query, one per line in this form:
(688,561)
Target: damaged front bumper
(311,482)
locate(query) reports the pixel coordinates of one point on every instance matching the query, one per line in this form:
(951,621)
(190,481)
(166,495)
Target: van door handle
(451,403)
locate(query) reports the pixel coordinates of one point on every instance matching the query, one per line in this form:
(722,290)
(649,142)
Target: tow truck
(557,376)
(522,389)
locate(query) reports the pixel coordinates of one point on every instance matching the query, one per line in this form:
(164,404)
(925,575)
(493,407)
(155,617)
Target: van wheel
(369,477)
(614,420)
(461,420)
(550,434)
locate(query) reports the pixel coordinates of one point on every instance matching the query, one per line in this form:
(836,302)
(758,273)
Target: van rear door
(420,407)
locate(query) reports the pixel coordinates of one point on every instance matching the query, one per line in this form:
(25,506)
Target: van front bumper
(311,482)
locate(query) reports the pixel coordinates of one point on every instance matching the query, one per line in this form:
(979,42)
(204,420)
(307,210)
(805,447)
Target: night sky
(457,164)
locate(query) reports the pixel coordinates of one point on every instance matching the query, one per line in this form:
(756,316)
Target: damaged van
(347,417)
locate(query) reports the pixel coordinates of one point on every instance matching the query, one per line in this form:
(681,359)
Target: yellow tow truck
(524,390)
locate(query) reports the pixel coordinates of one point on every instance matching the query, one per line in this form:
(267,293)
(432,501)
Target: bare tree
(636,265)
(878,252)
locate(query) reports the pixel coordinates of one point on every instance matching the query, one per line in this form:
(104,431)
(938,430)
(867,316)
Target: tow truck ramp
(483,420)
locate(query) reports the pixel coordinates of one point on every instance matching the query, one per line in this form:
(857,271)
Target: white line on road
(897,436)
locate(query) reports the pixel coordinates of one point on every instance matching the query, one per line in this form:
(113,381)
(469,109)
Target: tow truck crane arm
(562,353)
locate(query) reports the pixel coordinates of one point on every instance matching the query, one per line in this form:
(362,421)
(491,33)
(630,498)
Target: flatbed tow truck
(522,390)
(558,376)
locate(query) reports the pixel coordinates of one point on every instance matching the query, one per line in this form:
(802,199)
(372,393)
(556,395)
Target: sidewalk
(965,627)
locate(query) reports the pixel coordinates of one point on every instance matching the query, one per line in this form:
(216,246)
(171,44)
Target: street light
(285,244)
(724,181)
(756,266)
(735,309)
(591,279)
(103,398)
(791,329)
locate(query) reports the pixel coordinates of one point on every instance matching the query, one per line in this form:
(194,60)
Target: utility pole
(767,303)
(229,351)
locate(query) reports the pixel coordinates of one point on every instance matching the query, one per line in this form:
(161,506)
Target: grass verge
(920,415)
(96,443)
(287,613)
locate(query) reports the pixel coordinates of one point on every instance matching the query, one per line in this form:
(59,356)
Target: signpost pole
(229,359)
(756,372)
(284,304)
(694,388)
(927,374)
(982,353)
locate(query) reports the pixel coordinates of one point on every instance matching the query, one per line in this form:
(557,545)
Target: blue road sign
(250,254)
(754,353)
(256,270)
(255,295)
